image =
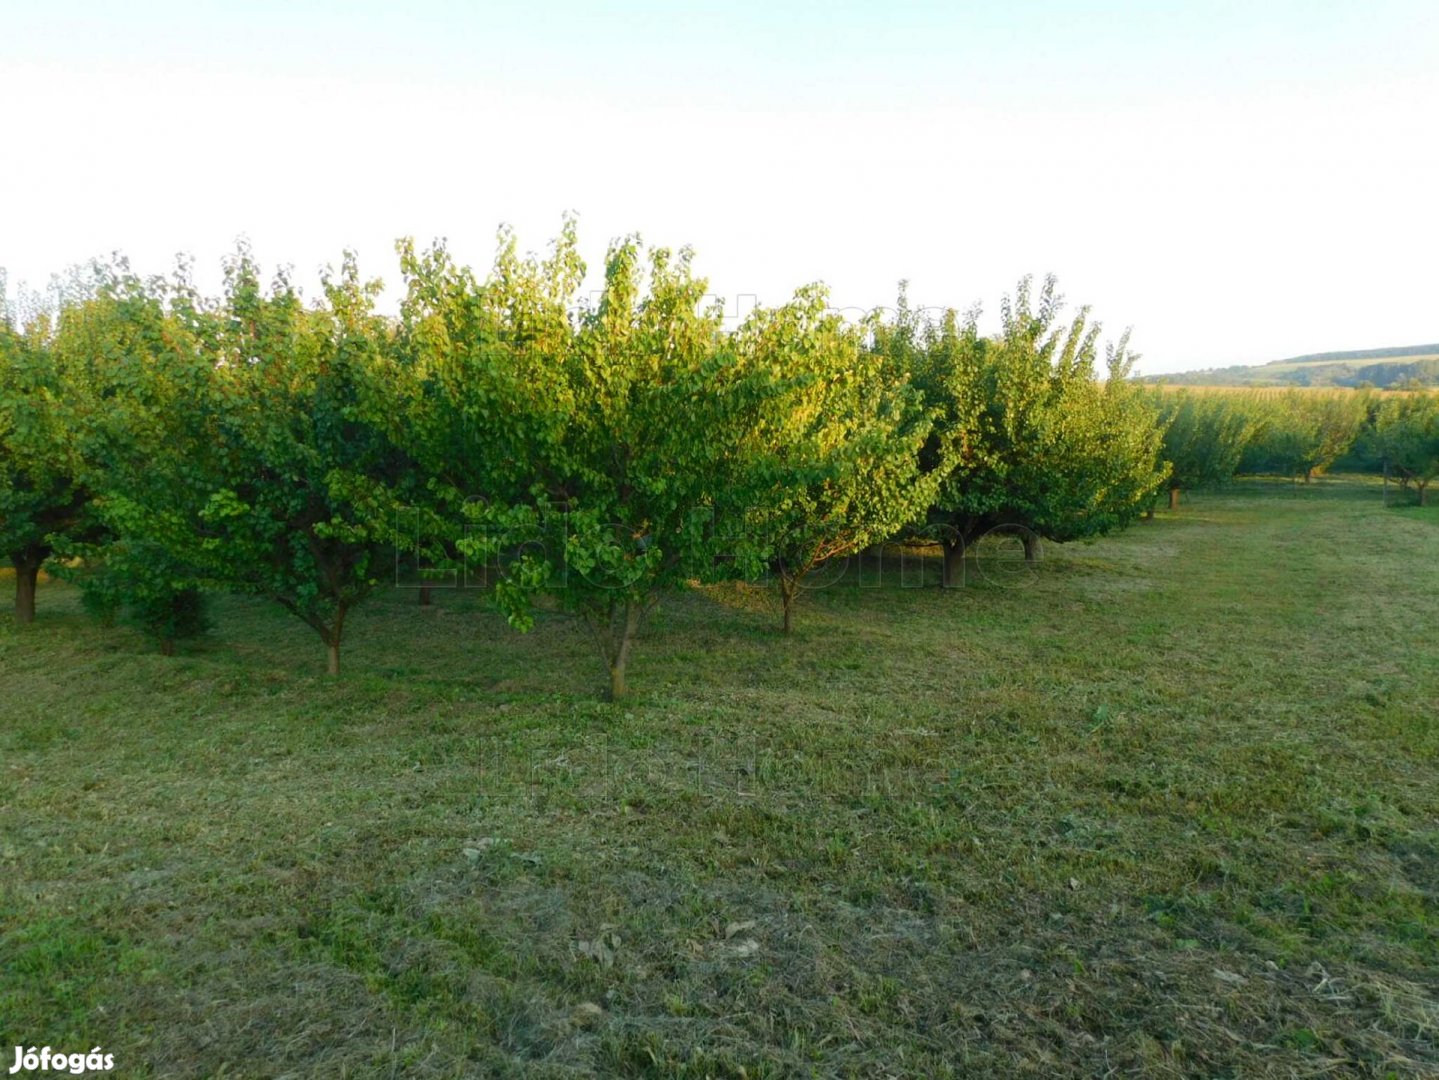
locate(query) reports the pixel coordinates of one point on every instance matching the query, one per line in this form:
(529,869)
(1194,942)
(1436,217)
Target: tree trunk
(621,655)
(424,596)
(1174,498)
(332,643)
(167,646)
(1423,491)
(1309,476)
(1031,548)
(952,574)
(27,575)
(787,588)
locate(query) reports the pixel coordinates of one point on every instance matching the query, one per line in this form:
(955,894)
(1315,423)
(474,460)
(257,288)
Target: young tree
(1029,437)
(480,385)
(43,501)
(1406,434)
(838,453)
(232,445)
(1339,417)
(301,512)
(1204,438)
(1303,432)
(636,461)
(941,359)
(137,378)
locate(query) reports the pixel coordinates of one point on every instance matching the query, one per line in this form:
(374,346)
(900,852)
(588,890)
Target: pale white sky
(1240,185)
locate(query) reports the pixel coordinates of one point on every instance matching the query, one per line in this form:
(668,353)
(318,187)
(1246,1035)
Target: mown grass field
(1169,806)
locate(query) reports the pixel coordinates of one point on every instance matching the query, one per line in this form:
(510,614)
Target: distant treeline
(1363,354)
(1381,369)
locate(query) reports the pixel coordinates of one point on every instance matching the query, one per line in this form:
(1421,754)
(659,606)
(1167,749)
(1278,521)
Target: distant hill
(1364,367)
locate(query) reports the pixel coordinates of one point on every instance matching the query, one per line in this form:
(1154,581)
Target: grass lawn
(1167,806)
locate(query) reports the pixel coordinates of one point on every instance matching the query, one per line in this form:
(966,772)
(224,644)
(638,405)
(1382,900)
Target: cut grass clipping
(1166,805)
